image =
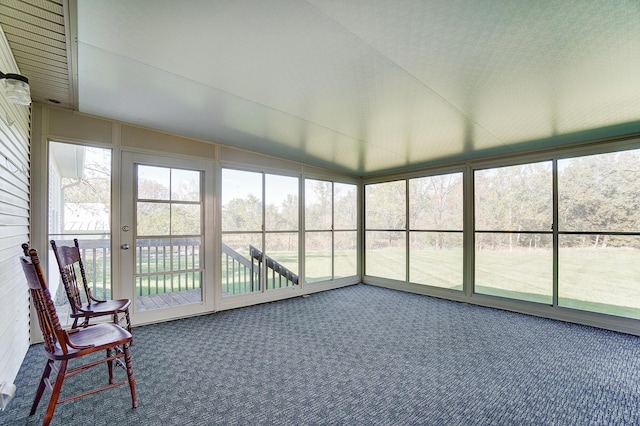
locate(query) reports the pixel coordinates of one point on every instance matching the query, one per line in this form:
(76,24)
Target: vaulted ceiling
(359,86)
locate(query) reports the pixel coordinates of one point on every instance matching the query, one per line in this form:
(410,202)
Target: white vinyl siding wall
(14,225)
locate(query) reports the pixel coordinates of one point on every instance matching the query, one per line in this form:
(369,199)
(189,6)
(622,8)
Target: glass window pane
(435,259)
(281,203)
(166,290)
(154,183)
(345,197)
(599,193)
(435,202)
(241,201)
(153,255)
(318,204)
(169,268)
(345,254)
(600,277)
(518,266)
(150,285)
(185,185)
(185,219)
(186,253)
(515,198)
(79,200)
(153,218)
(96,256)
(385,206)
(79,191)
(318,254)
(185,283)
(240,268)
(282,259)
(386,255)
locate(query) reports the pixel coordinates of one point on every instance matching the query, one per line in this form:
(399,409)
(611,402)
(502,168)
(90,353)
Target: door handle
(125,247)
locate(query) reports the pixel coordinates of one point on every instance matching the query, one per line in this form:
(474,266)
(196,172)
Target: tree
(516,199)
(318,204)
(345,206)
(436,204)
(600,193)
(385,211)
(242,214)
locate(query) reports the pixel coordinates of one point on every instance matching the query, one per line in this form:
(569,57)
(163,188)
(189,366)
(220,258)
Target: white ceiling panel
(168,102)
(520,70)
(360,86)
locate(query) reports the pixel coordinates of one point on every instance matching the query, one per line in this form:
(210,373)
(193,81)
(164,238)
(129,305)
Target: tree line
(598,196)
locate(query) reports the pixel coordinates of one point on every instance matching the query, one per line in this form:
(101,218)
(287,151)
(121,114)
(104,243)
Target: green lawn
(605,280)
(235,280)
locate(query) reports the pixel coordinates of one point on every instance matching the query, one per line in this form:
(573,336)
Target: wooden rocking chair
(63,345)
(70,264)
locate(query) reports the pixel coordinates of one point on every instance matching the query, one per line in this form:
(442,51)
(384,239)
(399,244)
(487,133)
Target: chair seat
(101,336)
(96,309)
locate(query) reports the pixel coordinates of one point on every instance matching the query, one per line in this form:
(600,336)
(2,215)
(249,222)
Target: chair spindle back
(72,273)
(52,331)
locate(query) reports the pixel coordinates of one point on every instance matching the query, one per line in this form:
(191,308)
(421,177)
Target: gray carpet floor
(359,355)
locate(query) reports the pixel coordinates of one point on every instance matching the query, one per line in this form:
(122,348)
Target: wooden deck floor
(167,300)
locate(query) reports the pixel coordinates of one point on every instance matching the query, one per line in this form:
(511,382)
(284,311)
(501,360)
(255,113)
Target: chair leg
(110,365)
(132,382)
(128,319)
(41,386)
(55,393)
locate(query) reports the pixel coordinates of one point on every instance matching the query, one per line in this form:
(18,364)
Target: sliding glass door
(599,233)
(435,231)
(260,232)
(386,230)
(330,230)
(513,232)
(414,230)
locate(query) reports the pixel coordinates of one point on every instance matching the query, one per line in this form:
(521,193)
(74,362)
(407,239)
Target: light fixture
(16,88)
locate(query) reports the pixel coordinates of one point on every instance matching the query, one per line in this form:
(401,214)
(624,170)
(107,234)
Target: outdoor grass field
(318,268)
(602,280)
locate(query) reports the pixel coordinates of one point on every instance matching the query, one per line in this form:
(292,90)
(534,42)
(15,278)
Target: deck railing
(245,275)
(242,275)
(278,275)
(167,265)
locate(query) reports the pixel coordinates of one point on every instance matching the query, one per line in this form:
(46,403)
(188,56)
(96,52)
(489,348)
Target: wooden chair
(65,345)
(71,265)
